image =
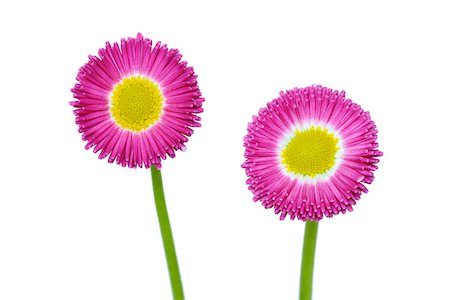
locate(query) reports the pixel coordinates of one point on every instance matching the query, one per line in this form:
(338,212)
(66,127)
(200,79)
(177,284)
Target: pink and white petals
(313,198)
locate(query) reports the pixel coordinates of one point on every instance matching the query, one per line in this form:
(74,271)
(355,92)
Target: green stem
(309,249)
(167,237)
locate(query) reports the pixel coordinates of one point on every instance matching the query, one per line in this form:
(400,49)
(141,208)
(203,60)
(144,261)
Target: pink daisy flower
(136,102)
(309,153)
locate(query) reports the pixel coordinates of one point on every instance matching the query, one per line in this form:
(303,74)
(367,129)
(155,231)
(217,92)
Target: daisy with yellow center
(136,103)
(309,153)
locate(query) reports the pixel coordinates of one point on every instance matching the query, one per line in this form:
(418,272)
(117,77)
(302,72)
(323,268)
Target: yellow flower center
(136,103)
(310,152)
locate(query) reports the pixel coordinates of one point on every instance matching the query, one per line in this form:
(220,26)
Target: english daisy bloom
(309,153)
(136,102)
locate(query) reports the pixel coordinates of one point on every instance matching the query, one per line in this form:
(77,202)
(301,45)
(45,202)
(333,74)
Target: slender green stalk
(309,249)
(167,237)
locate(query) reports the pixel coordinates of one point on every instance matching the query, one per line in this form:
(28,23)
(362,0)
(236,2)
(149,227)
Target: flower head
(136,102)
(309,153)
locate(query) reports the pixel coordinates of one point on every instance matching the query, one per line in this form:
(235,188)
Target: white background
(74,227)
